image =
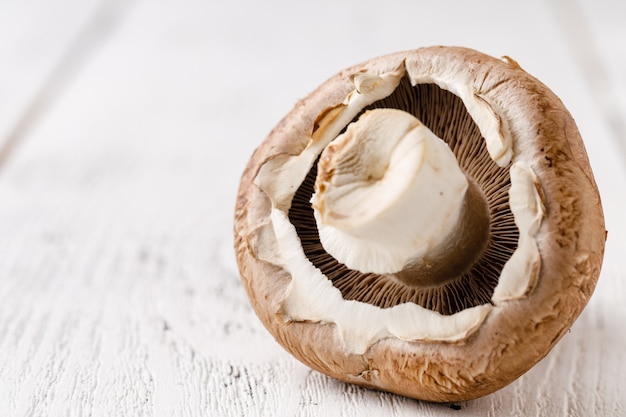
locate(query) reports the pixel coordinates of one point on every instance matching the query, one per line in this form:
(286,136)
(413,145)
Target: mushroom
(425,223)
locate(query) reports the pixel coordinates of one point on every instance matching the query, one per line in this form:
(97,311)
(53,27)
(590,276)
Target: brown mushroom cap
(517,333)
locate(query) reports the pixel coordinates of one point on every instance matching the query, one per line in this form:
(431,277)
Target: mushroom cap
(518,332)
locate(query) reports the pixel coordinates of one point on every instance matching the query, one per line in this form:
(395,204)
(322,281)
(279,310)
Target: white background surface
(124,128)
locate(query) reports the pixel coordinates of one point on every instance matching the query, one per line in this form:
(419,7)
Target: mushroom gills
(466,280)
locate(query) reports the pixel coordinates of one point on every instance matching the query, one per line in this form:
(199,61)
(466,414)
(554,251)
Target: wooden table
(124,128)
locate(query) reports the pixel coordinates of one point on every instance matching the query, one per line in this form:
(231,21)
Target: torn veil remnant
(401,229)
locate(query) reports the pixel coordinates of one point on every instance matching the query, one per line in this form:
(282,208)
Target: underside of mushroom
(401,230)
(463,270)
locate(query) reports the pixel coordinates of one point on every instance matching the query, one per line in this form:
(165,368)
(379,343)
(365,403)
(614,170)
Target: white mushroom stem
(389,194)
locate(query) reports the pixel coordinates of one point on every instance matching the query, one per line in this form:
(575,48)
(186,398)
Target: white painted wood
(120,294)
(597,32)
(42,44)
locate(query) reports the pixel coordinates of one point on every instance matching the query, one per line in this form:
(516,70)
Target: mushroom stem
(390,198)
(459,251)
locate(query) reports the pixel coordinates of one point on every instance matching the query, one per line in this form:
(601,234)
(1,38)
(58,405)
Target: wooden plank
(120,290)
(41,45)
(595,31)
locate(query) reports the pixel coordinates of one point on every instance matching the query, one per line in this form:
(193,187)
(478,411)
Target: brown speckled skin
(516,334)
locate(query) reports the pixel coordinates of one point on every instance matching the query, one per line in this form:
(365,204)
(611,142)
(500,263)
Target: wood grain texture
(120,294)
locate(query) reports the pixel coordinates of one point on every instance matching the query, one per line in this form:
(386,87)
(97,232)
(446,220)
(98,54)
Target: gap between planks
(85,43)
